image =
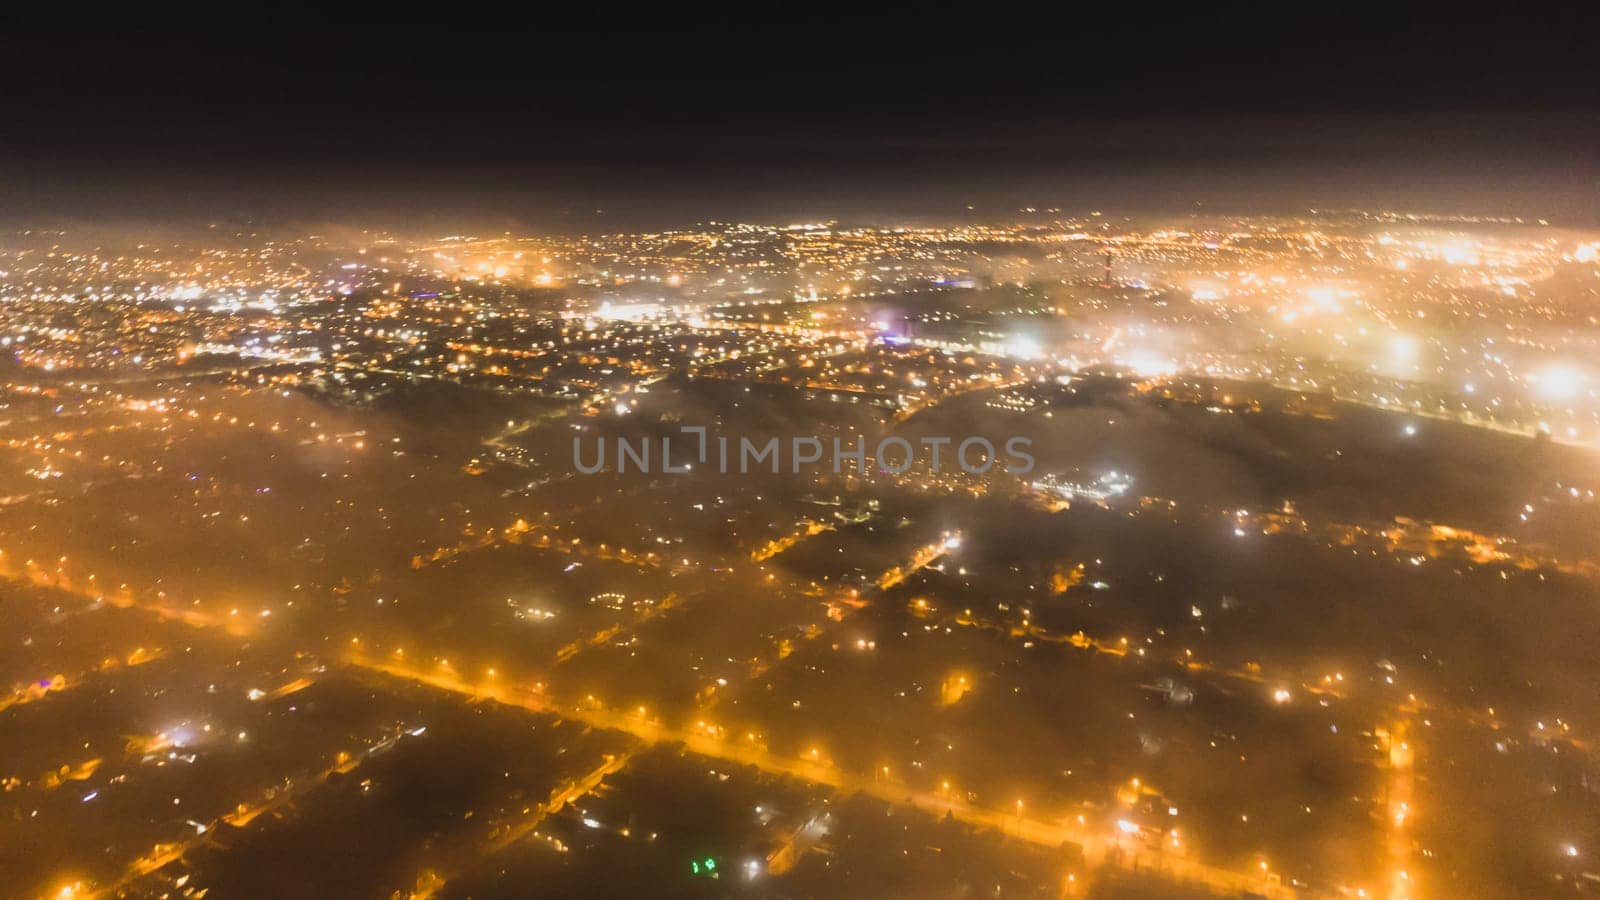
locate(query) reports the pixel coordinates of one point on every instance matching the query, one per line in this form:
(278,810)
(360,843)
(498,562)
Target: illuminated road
(1399,813)
(1097,847)
(242,815)
(30,573)
(430,882)
(43,687)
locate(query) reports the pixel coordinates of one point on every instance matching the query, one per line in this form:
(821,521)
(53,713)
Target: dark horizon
(559,123)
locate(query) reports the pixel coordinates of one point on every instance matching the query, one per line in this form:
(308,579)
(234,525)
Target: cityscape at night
(818,506)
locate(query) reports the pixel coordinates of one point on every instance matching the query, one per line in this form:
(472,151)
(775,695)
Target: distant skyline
(551,122)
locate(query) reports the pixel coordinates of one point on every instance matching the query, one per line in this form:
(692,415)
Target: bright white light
(1149,363)
(1126,827)
(1024,348)
(1323,297)
(1558,383)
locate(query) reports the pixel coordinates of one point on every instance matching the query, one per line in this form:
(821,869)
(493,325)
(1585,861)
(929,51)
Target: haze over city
(504,460)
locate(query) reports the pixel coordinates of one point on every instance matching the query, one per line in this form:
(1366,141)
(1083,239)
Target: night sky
(550,120)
